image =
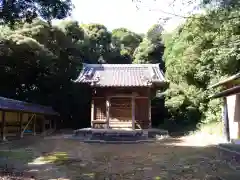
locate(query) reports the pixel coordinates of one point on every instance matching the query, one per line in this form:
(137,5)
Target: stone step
(120,125)
(118,135)
(122,128)
(118,139)
(118,122)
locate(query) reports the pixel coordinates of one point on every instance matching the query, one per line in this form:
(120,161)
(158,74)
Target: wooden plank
(3,135)
(99,121)
(133,112)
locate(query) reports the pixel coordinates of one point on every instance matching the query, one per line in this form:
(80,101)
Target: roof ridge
(121,65)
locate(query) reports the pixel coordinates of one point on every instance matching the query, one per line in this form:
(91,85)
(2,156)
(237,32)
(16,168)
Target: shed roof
(227,80)
(227,92)
(15,105)
(121,75)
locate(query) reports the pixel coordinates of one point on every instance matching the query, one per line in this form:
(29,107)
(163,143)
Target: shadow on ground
(165,159)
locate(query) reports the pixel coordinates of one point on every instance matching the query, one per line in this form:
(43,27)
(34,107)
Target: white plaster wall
(233,103)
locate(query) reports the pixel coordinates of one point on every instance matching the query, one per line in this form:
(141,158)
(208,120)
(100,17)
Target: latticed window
(100,108)
(100,113)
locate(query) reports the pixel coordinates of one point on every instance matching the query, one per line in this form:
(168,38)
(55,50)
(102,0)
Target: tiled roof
(15,105)
(120,75)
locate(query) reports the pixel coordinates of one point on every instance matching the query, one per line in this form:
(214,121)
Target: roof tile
(108,75)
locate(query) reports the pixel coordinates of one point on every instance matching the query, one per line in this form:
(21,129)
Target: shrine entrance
(120,113)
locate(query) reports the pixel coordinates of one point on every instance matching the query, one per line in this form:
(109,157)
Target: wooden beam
(92,112)
(133,112)
(141,97)
(20,124)
(99,122)
(107,110)
(32,117)
(123,95)
(3,137)
(34,125)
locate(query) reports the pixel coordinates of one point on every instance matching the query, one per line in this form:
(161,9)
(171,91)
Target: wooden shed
(121,93)
(231,96)
(18,118)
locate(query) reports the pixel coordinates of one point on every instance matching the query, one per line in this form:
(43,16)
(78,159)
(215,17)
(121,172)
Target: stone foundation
(114,135)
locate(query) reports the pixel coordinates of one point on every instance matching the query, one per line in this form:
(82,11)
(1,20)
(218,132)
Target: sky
(123,13)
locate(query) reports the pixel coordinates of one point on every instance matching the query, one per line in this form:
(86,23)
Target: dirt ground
(70,159)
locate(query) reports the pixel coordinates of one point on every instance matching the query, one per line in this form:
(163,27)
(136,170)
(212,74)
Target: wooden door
(120,112)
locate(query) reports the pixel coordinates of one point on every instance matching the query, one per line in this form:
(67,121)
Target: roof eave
(161,83)
(30,112)
(225,81)
(227,92)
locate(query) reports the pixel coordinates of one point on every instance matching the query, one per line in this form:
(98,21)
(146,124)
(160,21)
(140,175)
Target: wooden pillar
(55,124)
(34,125)
(20,125)
(133,112)
(107,111)
(50,123)
(3,124)
(149,110)
(225,120)
(43,126)
(92,113)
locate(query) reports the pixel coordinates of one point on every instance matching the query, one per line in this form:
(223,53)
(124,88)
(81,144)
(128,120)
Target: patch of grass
(56,157)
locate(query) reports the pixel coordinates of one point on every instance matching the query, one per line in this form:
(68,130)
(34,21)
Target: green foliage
(125,40)
(24,10)
(154,34)
(222,3)
(198,53)
(151,49)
